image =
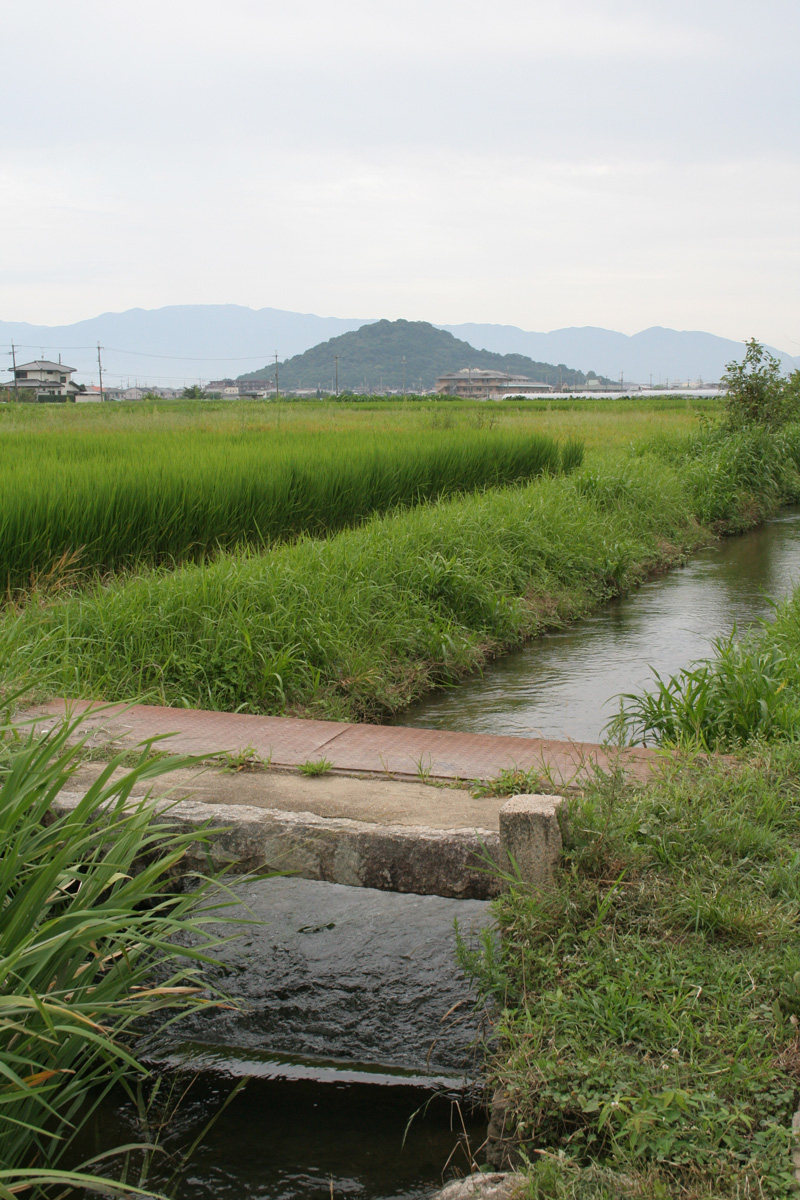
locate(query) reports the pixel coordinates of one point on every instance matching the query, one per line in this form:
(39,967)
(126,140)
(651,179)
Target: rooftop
(43,364)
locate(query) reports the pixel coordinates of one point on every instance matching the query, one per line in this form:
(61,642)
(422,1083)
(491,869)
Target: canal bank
(719,979)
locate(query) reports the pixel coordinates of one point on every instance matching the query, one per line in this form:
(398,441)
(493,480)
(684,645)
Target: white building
(49,380)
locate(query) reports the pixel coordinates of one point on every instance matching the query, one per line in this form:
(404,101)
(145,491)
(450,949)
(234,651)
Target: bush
(758,391)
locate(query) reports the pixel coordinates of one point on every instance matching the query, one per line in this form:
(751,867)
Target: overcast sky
(540,164)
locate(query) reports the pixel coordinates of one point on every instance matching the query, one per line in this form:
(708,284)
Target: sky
(543,164)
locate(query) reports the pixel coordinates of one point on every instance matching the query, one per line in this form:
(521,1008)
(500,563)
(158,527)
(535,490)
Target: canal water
(358,1033)
(565,684)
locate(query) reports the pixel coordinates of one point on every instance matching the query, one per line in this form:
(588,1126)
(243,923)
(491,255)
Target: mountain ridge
(186,343)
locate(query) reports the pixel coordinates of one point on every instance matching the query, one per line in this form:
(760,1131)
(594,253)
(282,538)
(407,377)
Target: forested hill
(371,360)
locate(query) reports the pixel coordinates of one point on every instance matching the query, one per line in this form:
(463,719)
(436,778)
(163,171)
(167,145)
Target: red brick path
(352,749)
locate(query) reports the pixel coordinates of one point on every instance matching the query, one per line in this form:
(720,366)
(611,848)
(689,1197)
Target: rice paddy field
(99,488)
(341,560)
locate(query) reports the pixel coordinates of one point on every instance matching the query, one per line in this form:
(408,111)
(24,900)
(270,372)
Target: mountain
(370,359)
(190,342)
(179,344)
(664,354)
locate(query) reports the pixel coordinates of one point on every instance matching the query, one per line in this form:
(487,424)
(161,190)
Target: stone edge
(401,858)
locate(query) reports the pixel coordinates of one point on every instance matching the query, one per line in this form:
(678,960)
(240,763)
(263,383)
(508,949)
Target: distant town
(45,381)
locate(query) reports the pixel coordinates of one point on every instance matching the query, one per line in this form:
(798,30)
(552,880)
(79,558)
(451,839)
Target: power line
(148,354)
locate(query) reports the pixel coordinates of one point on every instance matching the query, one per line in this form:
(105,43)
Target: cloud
(533,163)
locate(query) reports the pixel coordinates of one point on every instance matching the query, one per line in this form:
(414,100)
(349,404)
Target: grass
(74,503)
(88,488)
(89,945)
(749,690)
(649,1005)
(366,621)
(315,766)
(361,624)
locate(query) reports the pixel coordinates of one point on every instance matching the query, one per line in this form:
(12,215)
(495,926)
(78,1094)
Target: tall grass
(89,919)
(99,501)
(366,621)
(748,690)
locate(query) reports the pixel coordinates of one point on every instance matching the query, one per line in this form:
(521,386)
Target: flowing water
(565,684)
(355,1017)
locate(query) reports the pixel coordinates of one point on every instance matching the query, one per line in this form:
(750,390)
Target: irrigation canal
(347,988)
(563,685)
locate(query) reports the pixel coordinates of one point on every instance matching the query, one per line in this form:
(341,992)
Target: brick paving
(396,750)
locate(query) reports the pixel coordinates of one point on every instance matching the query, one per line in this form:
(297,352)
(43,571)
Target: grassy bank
(369,620)
(650,1004)
(91,501)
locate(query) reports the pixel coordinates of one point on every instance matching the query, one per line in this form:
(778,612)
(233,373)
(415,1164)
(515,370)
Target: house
(480,384)
(51,381)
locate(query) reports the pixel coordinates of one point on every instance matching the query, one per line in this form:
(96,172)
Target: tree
(758,391)
(195,392)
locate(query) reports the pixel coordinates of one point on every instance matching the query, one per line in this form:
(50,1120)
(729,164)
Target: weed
(246,759)
(424,768)
(512,781)
(748,691)
(318,766)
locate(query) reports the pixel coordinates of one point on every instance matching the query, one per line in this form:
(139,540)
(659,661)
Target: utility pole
(404,374)
(14,361)
(277,388)
(336,363)
(100,373)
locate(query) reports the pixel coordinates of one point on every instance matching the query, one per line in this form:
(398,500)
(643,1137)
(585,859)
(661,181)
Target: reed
(92,939)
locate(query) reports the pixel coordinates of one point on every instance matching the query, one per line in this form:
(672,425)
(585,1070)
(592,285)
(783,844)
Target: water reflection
(563,685)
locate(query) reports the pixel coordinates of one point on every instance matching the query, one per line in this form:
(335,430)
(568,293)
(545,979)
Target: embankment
(362,623)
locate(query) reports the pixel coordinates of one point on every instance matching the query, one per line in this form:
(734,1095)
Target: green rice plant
(572,455)
(364,622)
(93,938)
(74,504)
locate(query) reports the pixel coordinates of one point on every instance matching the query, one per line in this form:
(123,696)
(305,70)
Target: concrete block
(530,836)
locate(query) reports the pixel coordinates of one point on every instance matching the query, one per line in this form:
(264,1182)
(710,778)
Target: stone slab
(372,799)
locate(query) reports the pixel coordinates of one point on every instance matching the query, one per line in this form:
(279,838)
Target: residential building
(480,384)
(50,381)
